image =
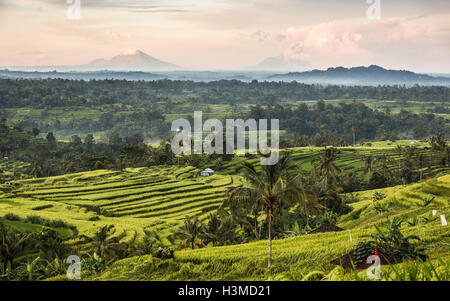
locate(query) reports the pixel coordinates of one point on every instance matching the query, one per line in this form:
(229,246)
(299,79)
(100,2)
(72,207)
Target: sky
(230,34)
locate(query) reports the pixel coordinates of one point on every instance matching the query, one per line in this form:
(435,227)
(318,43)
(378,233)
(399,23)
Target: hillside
(132,60)
(372,75)
(351,159)
(159,198)
(297,258)
(133,200)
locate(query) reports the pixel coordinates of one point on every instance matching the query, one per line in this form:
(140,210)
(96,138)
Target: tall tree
(190,233)
(326,166)
(274,188)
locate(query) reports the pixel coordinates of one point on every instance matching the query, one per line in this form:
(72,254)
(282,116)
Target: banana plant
(426,202)
(391,242)
(430,218)
(31,268)
(413,222)
(12,245)
(380,208)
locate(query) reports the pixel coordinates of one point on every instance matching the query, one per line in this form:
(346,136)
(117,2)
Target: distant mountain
(88,75)
(372,75)
(135,60)
(358,76)
(278,63)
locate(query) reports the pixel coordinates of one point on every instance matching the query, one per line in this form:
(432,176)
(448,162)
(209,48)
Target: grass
(349,159)
(159,198)
(133,200)
(307,256)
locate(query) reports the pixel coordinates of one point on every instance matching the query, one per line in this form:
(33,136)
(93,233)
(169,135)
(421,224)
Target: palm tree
(151,241)
(12,244)
(102,242)
(190,233)
(368,164)
(326,165)
(399,151)
(220,230)
(270,190)
(421,160)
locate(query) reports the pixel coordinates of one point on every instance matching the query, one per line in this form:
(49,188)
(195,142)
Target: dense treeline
(333,124)
(60,92)
(130,107)
(49,157)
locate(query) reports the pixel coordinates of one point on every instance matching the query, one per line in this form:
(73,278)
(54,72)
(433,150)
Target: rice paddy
(133,200)
(300,257)
(159,198)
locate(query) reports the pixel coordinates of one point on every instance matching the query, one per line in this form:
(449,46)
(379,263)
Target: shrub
(352,198)
(363,250)
(391,243)
(327,219)
(12,217)
(335,203)
(35,219)
(164,253)
(42,207)
(378,180)
(356,214)
(95,263)
(50,245)
(378,196)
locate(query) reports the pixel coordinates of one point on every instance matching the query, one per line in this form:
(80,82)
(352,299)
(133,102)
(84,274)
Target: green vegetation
(139,200)
(295,258)
(113,192)
(158,198)
(69,108)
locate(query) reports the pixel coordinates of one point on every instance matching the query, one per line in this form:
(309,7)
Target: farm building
(207,172)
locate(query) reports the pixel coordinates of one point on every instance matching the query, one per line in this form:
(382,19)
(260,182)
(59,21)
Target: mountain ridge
(360,75)
(372,75)
(133,61)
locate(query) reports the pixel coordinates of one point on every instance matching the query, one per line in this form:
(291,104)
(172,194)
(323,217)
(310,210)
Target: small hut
(207,172)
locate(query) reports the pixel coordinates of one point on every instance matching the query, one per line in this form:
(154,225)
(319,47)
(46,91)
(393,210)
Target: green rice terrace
(307,257)
(139,201)
(351,159)
(133,200)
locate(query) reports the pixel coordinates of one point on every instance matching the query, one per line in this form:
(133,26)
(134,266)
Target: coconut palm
(421,161)
(399,151)
(220,230)
(191,233)
(12,245)
(103,243)
(368,164)
(270,190)
(326,166)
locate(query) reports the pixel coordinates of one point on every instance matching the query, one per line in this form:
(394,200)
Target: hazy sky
(230,34)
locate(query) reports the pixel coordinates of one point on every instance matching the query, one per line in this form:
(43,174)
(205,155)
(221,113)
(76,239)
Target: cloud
(131,6)
(261,35)
(343,42)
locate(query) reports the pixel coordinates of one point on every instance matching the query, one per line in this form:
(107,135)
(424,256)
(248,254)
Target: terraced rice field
(158,198)
(300,257)
(351,159)
(9,168)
